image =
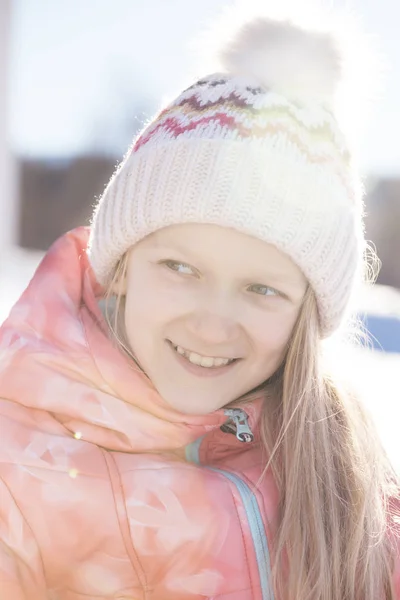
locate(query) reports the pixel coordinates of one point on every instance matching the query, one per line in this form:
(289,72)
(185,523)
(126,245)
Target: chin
(190,406)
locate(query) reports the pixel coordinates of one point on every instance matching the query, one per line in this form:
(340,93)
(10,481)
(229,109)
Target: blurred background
(78,79)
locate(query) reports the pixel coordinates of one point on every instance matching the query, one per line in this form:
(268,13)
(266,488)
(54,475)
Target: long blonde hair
(334,479)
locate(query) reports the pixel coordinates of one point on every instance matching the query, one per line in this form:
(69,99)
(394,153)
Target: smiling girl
(169,429)
(208,302)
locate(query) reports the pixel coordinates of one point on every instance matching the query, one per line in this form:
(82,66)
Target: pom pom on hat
(282,57)
(301,50)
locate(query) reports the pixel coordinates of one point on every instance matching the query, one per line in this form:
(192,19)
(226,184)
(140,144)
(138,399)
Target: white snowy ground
(377,373)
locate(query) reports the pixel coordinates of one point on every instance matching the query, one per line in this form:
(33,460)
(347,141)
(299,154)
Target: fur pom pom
(302,50)
(304,65)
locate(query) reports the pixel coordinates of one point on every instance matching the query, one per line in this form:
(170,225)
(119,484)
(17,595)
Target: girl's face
(209,312)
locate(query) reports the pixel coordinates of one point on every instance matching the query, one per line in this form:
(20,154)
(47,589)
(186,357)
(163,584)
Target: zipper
(242,427)
(249,500)
(257,531)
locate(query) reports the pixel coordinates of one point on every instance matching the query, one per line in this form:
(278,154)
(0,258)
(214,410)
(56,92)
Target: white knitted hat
(256,148)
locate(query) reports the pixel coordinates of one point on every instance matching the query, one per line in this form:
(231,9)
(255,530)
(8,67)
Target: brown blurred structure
(383,227)
(57,196)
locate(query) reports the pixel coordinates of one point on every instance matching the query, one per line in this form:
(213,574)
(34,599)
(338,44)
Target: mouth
(201,363)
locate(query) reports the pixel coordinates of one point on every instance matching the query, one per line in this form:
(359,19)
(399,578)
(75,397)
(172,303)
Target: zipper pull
(240,419)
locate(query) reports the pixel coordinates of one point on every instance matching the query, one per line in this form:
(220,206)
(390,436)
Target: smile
(207,362)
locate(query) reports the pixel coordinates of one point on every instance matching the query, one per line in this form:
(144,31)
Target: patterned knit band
(232,153)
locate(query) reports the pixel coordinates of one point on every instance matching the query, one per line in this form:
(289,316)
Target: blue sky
(85,73)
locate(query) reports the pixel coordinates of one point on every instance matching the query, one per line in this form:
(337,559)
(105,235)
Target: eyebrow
(173,245)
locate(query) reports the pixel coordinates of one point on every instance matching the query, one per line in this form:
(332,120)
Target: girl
(168,429)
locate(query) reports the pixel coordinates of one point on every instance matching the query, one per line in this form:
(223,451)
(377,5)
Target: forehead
(216,245)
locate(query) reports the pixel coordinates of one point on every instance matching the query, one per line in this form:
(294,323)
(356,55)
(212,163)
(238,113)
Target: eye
(179,267)
(264,290)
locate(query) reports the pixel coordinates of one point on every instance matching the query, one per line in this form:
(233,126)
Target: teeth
(202,361)
(206,362)
(219,362)
(194,358)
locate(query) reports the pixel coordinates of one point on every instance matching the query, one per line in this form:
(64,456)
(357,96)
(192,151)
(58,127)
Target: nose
(214,323)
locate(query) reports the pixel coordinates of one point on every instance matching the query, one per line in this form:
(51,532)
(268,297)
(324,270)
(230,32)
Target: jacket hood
(56,356)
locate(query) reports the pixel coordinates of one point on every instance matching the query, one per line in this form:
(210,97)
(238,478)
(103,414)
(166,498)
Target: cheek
(148,309)
(271,335)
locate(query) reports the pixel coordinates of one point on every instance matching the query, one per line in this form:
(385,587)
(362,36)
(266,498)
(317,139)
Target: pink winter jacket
(105,491)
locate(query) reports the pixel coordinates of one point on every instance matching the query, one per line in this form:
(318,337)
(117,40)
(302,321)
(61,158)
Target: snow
(16,269)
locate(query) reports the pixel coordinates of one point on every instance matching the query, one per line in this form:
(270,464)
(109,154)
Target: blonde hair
(334,479)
